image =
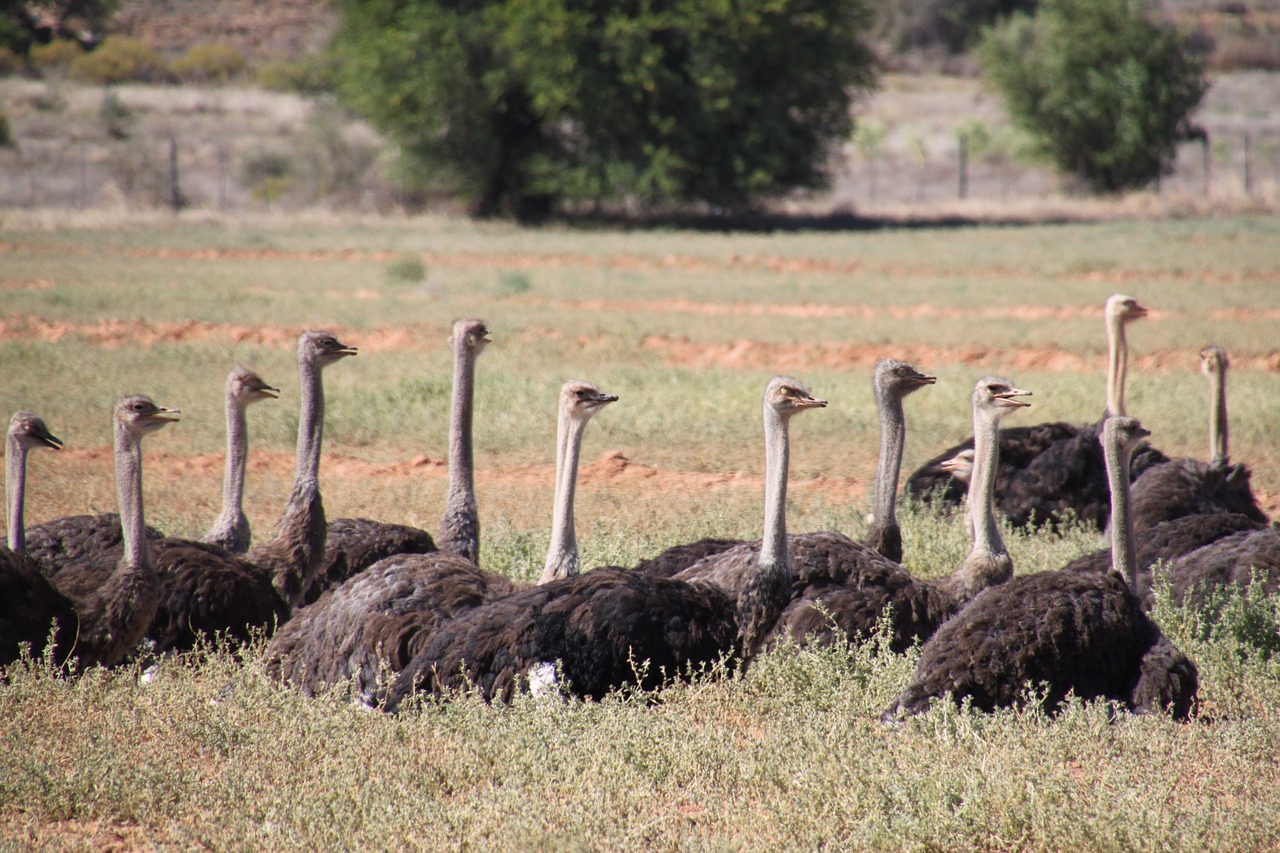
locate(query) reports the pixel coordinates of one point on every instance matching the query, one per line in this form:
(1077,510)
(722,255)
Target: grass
(211,754)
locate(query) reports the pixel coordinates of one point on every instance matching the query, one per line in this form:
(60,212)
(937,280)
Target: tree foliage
(1106,93)
(523,106)
(952,26)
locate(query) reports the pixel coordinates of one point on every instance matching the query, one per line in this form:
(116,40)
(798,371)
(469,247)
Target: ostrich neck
(15,464)
(770,586)
(562,555)
(310,423)
(889,466)
(232,516)
(988,563)
(461,516)
(773,546)
(1124,550)
(128,453)
(1117,365)
(1218,454)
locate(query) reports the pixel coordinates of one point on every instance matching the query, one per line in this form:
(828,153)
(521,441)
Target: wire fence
(175,172)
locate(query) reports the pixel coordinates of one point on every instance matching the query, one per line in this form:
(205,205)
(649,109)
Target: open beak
(268,391)
(924,379)
(811,403)
(166,415)
(1009,397)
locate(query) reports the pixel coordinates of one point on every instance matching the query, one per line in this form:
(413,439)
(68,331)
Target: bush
(10,62)
(117,118)
(55,56)
(208,63)
(121,60)
(311,75)
(6,134)
(1106,93)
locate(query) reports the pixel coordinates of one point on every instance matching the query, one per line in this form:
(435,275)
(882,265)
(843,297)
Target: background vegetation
(1106,93)
(687,328)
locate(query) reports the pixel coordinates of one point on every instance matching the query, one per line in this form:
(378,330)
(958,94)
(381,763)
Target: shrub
(116,116)
(10,62)
(405,269)
(6,134)
(208,63)
(121,60)
(268,174)
(1106,93)
(311,75)
(56,56)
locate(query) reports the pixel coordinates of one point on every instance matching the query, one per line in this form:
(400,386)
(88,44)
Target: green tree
(1105,92)
(523,106)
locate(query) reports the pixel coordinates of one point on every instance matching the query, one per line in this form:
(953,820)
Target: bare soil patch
(744,354)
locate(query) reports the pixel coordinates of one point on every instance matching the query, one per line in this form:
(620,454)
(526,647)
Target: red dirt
(111,333)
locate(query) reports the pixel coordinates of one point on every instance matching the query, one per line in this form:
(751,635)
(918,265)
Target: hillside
(260,30)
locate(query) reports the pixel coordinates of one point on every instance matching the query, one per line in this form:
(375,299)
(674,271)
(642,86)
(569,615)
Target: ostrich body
(116,593)
(231,530)
(1080,633)
(844,599)
(381,618)
(592,633)
(1051,469)
(355,544)
(1239,559)
(29,603)
(1181,487)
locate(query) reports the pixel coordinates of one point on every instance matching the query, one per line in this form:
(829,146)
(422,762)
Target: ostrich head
(30,432)
(1214,361)
(473,334)
(786,396)
(997,396)
(899,378)
(582,400)
(322,348)
(245,387)
(140,415)
(1125,309)
(960,466)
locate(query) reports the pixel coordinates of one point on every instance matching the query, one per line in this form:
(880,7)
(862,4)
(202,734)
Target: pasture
(686,327)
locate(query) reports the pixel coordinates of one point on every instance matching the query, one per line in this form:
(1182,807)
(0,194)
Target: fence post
(175,196)
(964,166)
(1248,168)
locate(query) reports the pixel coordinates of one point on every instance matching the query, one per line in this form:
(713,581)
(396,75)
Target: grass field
(686,327)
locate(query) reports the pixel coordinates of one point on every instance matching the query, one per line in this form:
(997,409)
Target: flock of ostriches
(396,611)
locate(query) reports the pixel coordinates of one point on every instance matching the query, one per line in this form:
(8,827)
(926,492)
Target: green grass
(791,756)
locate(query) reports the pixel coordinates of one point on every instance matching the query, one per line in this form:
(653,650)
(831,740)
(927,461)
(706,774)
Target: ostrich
(116,592)
(29,603)
(1183,505)
(1053,468)
(355,544)
(1181,487)
(844,599)
(595,632)
(296,554)
(893,380)
(231,529)
(1072,632)
(206,590)
(1239,559)
(380,618)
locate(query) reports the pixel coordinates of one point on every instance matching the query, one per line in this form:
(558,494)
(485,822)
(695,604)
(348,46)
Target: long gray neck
(460,526)
(773,547)
(128,453)
(310,423)
(988,563)
(1117,364)
(1124,549)
(562,555)
(231,529)
(1218,454)
(770,586)
(15,478)
(889,466)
